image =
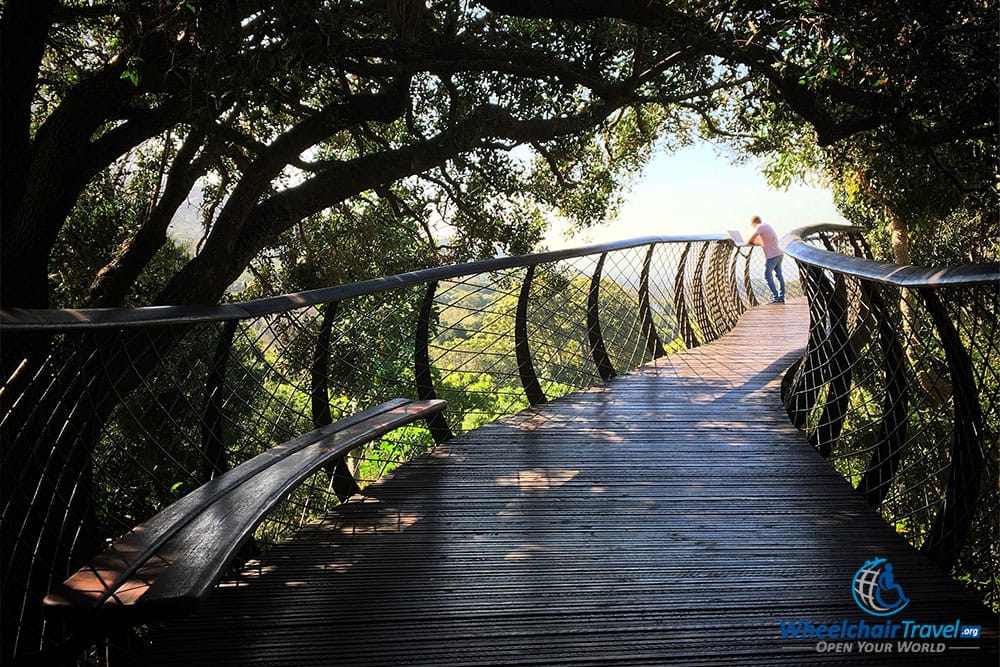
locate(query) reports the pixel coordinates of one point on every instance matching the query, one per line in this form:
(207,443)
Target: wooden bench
(168,564)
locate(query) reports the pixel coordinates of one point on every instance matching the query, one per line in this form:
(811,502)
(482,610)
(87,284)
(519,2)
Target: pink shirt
(764,236)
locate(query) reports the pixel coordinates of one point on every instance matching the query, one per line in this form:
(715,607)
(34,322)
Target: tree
(309,129)
(928,163)
(895,104)
(292,122)
(283,109)
(280,111)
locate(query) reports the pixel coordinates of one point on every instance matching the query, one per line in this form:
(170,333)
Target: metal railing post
(342,481)
(804,389)
(319,391)
(213,447)
(437,425)
(680,302)
(837,369)
(654,346)
(708,332)
(525,368)
(597,349)
(953,522)
(874,485)
(748,284)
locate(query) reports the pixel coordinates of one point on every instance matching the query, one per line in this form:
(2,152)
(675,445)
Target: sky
(695,190)
(698,190)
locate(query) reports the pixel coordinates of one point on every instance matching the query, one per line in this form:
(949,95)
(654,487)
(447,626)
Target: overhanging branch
(221,260)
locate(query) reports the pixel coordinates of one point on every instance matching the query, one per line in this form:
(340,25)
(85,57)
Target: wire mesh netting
(899,390)
(107,423)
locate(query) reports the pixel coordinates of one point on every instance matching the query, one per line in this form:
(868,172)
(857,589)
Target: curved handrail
(898,390)
(18,319)
(900,275)
(112,412)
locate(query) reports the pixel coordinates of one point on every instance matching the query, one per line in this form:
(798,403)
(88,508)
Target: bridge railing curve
(107,416)
(900,390)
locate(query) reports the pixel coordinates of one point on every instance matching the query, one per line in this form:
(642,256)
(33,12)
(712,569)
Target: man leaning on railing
(764,236)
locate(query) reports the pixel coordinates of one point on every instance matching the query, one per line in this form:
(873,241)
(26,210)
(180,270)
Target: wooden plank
(106,574)
(191,562)
(673,516)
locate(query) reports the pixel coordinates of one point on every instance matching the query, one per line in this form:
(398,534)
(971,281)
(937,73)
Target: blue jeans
(773,266)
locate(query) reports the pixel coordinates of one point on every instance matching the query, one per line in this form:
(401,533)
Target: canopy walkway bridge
(638,465)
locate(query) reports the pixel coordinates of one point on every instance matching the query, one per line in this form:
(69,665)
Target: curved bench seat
(168,564)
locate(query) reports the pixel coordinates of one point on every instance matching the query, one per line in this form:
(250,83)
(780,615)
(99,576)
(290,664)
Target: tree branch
(395,59)
(114,281)
(222,259)
(385,106)
(23,29)
(553,165)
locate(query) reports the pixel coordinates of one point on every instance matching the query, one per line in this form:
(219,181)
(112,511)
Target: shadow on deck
(670,516)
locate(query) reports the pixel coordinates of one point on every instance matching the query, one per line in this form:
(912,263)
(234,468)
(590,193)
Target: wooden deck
(672,516)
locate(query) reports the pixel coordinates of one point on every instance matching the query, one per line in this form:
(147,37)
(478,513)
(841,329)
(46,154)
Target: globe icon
(875,589)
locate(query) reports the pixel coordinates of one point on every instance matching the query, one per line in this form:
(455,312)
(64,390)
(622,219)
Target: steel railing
(900,390)
(107,416)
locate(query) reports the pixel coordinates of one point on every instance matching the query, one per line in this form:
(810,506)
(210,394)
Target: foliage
(452,129)
(106,215)
(293,124)
(329,142)
(920,84)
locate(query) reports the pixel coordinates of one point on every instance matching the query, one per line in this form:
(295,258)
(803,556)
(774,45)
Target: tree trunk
(929,374)
(899,236)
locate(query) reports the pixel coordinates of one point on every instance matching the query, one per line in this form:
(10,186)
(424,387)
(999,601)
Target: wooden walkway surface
(672,516)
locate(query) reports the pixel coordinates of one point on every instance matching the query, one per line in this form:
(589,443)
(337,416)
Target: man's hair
(755,220)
